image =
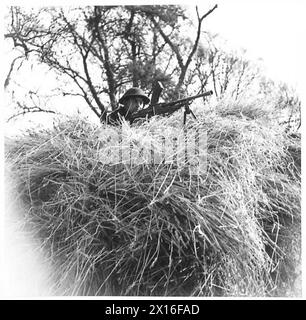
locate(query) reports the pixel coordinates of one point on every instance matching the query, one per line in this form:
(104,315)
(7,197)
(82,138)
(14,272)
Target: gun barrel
(208,93)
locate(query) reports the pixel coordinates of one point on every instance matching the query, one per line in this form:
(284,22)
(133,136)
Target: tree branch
(8,77)
(88,81)
(173,47)
(207,13)
(106,62)
(184,67)
(25,109)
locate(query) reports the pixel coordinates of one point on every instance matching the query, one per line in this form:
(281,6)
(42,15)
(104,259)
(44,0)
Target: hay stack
(116,229)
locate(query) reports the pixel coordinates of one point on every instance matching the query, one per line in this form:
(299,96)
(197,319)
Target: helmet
(134,92)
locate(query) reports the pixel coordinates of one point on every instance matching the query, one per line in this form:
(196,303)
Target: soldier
(133,100)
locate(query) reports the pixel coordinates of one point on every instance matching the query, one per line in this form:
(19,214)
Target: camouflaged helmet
(134,92)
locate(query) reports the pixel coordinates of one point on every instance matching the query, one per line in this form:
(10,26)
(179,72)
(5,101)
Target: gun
(168,107)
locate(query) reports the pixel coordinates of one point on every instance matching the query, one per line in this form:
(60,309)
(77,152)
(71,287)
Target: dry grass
(115,229)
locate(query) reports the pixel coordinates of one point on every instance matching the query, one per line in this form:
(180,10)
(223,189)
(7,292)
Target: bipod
(188,111)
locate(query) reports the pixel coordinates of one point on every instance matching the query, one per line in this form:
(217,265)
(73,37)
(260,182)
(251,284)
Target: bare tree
(227,72)
(175,45)
(105,49)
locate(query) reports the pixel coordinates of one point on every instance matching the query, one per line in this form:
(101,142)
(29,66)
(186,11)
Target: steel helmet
(134,92)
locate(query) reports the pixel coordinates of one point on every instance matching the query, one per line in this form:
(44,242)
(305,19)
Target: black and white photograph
(152,150)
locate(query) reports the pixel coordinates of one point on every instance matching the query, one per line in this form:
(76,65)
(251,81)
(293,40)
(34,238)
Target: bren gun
(168,108)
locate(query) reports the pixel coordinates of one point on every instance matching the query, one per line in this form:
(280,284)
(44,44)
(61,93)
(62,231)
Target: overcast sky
(274,30)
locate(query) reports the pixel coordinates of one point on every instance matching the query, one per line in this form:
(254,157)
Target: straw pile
(125,229)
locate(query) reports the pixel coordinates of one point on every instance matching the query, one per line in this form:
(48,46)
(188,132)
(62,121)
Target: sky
(272,30)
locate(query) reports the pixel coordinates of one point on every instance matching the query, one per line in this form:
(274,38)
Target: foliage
(102,50)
